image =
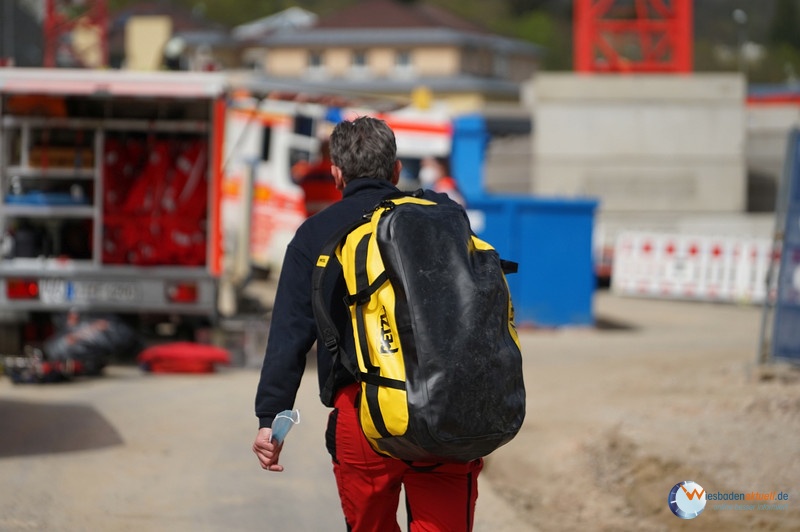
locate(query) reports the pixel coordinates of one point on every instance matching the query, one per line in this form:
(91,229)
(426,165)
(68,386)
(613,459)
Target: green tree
(234,12)
(781,64)
(539,27)
(785,28)
(520,7)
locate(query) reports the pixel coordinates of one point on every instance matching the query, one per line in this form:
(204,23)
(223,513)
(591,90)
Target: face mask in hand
(283,423)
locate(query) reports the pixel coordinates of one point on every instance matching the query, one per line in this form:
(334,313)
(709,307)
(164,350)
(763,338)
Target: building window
(501,65)
(316,63)
(358,63)
(402,63)
(402,59)
(359,59)
(255,59)
(314,59)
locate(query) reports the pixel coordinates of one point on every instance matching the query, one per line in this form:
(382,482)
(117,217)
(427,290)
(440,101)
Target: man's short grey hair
(364,148)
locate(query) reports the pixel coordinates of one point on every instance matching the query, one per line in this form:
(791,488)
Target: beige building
(388,48)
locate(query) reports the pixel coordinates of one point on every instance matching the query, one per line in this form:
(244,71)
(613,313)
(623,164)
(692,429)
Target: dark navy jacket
(293,329)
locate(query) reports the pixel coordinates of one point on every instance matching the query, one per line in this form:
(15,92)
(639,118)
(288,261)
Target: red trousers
(441,498)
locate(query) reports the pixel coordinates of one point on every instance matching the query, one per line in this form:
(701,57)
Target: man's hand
(267,451)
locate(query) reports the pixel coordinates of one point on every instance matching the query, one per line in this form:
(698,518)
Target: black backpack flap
(464,369)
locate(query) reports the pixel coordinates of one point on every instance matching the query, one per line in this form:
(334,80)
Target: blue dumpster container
(551,239)
(470,140)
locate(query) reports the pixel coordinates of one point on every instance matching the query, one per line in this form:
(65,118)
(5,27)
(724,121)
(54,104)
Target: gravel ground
(617,415)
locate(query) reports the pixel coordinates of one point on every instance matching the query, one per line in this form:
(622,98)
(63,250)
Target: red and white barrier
(693,267)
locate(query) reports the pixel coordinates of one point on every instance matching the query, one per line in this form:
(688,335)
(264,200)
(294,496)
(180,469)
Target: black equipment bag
(437,352)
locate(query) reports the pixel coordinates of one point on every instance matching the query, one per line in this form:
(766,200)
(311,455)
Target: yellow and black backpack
(437,353)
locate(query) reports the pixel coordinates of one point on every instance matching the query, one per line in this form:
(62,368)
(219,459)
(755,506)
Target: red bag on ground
(183,357)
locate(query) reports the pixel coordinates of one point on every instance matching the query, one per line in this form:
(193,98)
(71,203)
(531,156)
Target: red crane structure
(62,18)
(633,36)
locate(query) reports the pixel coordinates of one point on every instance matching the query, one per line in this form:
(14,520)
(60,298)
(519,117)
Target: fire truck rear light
(22,289)
(182,293)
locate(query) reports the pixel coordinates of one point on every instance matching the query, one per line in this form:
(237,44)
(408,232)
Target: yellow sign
(422,97)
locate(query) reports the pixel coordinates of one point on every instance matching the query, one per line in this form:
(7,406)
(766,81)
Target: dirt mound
(617,417)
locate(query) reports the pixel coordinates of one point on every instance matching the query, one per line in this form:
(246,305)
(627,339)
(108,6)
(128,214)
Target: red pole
(218,113)
(684,37)
(101,19)
(50,34)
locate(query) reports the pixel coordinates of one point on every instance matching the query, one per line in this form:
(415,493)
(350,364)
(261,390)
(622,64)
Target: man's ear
(398,166)
(338,179)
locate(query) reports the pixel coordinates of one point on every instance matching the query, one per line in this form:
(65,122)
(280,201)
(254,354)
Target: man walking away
(439,497)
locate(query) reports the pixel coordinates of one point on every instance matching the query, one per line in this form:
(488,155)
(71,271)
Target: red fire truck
(110,187)
(156,195)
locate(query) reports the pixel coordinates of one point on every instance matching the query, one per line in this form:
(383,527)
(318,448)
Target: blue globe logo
(687,499)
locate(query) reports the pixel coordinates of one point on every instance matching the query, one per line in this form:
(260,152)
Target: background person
(434,174)
(318,184)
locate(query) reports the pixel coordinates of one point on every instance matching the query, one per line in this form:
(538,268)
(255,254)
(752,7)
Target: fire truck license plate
(52,290)
(102,292)
(61,291)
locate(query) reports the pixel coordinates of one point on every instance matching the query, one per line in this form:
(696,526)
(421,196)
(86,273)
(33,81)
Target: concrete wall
(768,126)
(508,165)
(641,143)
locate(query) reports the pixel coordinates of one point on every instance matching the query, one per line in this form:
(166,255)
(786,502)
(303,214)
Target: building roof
(463,83)
(369,36)
(391,23)
(393,14)
(288,19)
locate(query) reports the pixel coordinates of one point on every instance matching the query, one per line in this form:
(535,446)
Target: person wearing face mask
(434,174)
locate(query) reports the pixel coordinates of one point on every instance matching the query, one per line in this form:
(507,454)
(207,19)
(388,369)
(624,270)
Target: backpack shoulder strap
(328,332)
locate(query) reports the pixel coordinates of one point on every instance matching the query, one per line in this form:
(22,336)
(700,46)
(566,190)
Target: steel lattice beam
(63,17)
(633,36)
